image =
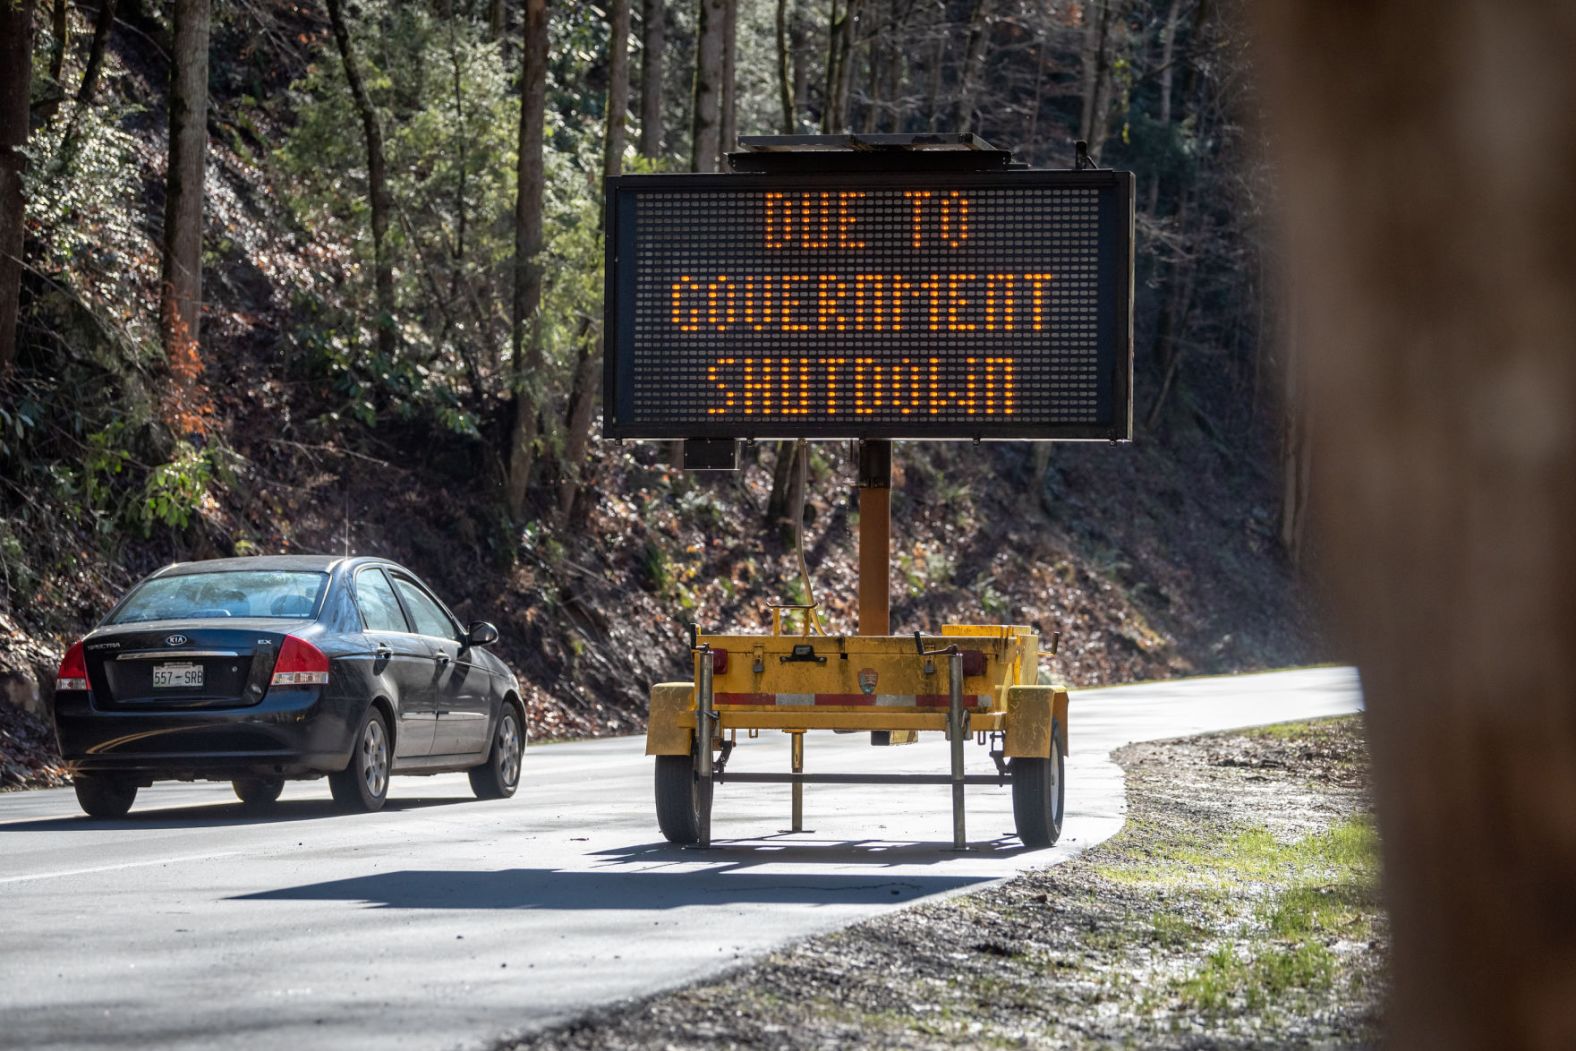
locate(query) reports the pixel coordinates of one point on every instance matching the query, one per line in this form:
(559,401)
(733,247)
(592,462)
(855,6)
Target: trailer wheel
(1038,791)
(678,799)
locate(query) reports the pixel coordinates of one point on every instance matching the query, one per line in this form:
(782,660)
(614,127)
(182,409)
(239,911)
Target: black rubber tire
(102,795)
(364,784)
(499,776)
(678,799)
(258,793)
(1039,790)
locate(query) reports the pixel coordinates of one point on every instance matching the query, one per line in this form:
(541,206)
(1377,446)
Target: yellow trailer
(972,680)
(870,289)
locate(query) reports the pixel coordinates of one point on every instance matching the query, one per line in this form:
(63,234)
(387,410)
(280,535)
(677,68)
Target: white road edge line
(115,868)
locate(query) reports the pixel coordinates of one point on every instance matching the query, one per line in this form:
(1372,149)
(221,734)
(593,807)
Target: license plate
(177,675)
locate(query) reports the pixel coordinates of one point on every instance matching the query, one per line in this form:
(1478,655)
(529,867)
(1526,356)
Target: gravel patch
(1237,908)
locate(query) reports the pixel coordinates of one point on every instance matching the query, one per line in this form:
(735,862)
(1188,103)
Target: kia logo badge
(175,640)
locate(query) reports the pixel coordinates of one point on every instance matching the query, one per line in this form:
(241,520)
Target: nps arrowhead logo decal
(867,680)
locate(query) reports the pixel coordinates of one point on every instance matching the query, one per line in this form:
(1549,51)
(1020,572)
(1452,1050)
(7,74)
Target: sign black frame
(1116,280)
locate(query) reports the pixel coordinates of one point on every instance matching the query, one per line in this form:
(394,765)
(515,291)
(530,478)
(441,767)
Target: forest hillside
(326,277)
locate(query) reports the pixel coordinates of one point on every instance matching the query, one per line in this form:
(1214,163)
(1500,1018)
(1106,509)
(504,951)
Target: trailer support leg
(703,724)
(798,785)
(957,731)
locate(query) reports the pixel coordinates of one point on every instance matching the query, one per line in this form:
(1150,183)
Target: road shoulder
(1238,908)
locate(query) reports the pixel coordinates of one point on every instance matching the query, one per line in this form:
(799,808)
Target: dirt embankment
(1154,560)
(1237,909)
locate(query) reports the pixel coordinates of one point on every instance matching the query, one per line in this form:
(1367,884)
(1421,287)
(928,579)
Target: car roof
(312,563)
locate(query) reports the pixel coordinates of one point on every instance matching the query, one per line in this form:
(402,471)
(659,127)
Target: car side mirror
(481,633)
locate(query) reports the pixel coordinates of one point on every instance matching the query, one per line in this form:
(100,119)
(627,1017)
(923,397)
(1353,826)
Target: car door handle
(383,653)
(443,658)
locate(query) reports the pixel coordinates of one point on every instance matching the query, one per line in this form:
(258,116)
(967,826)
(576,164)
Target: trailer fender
(670,726)
(1030,713)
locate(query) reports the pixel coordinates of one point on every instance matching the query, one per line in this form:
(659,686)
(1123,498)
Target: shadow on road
(802,848)
(212,815)
(551,889)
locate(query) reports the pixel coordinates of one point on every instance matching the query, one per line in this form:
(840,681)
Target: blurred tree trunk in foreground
(525,329)
(1430,156)
(16,75)
(180,309)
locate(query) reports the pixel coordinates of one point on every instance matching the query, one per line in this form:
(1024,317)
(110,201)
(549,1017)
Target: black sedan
(262,670)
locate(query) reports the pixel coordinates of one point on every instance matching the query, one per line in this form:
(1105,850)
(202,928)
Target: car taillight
(73,673)
(300,664)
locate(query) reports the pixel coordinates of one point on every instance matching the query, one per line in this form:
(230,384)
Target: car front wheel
(499,776)
(364,784)
(103,796)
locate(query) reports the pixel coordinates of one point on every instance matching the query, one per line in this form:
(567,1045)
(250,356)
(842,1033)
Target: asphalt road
(446,922)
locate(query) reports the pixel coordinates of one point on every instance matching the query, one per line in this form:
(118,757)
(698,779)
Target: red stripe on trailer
(842,700)
(745,698)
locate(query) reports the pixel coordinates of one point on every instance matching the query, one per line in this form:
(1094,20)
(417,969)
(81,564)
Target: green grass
(1300,730)
(1174,931)
(1259,976)
(1318,889)
(1270,907)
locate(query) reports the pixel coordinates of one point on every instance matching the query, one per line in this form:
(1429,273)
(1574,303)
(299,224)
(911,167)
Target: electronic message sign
(977,305)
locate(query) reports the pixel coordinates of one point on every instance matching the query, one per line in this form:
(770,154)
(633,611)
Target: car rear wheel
(258,792)
(103,796)
(364,784)
(499,776)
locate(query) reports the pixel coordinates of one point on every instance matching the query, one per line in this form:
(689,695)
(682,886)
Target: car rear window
(283,595)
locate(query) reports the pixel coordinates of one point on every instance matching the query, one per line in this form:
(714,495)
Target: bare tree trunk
(616,133)
(60,24)
(706,101)
(460,138)
(798,484)
(653,36)
(1031,134)
(495,19)
(584,390)
(529,241)
(839,57)
(798,36)
(938,59)
(1096,74)
(785,70)
(1168,49)
(845,66)
(973,56)
(60,33)
(781,498)
(180,312)
(1445,485)
(90,75)
(1296,458)
(377,181)
(16,75)
(730,108)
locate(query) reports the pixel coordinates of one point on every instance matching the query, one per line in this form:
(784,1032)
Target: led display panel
(875,305)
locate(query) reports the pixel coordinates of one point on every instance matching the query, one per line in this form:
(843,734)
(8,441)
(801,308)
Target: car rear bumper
(290,733)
